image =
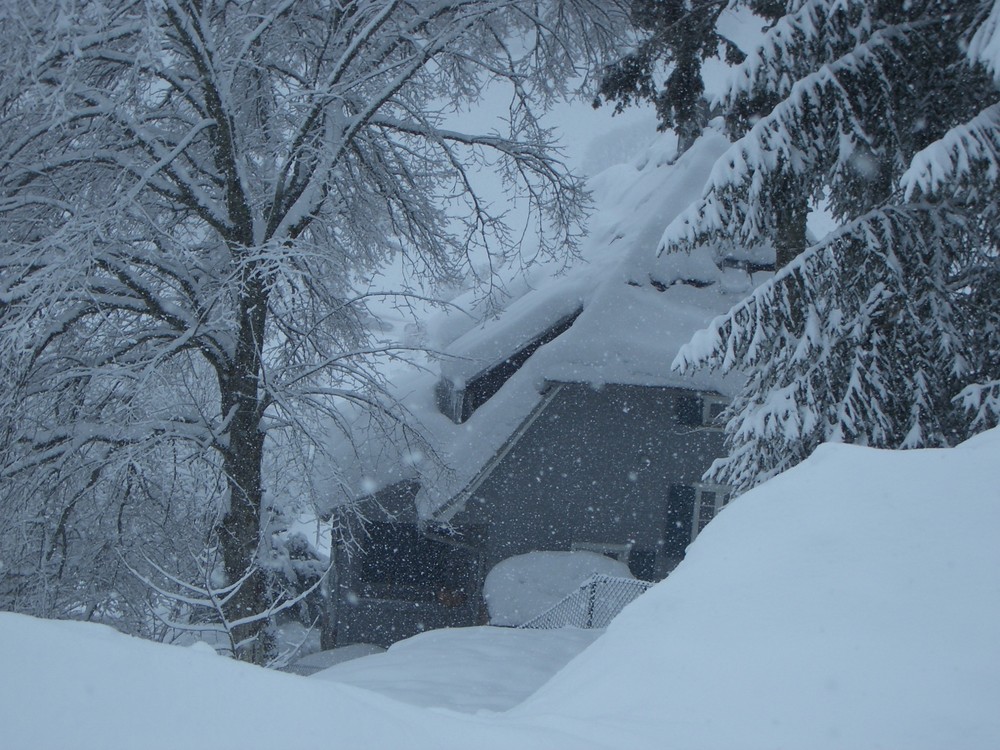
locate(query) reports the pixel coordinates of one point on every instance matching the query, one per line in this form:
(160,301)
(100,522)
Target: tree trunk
(331,600)
(239,532)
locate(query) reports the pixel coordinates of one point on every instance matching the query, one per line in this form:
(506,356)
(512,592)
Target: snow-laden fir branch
(886,332)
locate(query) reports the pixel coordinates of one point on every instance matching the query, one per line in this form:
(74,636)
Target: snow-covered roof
(637,311)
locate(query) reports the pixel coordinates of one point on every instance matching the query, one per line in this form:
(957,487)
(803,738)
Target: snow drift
(852,602)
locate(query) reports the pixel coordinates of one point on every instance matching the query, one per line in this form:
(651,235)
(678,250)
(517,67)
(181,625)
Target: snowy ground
(465,669)
(853,602)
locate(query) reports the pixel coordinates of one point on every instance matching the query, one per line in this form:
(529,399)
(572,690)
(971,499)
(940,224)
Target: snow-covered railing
(596,603)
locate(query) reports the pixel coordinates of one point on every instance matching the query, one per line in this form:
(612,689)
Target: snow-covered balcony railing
(595,604)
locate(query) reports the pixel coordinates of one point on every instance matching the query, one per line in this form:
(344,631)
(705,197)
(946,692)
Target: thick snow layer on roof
(633,203)
(849,604)
(523,320)
(638,310)
(630,335)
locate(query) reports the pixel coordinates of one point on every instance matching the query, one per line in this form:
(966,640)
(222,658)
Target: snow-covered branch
(190,194)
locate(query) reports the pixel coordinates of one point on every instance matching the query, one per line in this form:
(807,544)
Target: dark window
(689,410)
(715,409)
(699,411)
(400,563)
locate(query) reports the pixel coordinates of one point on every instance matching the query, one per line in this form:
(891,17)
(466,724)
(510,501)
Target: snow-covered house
(560,422)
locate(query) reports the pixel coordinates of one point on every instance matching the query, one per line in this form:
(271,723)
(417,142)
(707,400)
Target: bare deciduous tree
(192,191)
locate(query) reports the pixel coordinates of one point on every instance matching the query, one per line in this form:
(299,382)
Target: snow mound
(465,669)
(852,602)
(522,587)
(322,660)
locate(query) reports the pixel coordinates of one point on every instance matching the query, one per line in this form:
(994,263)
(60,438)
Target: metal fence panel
(595,604)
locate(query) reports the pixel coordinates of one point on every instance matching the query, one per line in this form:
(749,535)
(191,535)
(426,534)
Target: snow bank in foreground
(465,669)
(853,602)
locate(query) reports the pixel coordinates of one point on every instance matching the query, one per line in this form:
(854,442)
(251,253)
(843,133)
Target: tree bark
(240,532)
(790,239)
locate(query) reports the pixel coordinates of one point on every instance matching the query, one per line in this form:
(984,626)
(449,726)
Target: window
(688,410)
(689,510)
(709,500)
(679,515)
(700,410)
(713,408)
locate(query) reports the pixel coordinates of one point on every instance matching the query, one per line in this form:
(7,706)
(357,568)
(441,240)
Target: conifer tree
(675,36)
(884,333)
